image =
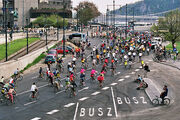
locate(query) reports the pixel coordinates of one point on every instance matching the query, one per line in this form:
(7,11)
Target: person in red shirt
(100,79)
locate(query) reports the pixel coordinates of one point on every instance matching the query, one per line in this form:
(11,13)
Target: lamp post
(126,22)
(27,34)
(57,29)
(64,29)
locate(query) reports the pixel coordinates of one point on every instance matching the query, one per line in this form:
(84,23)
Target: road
(117,99)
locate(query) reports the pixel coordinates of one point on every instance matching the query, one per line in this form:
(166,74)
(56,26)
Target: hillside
(150,7)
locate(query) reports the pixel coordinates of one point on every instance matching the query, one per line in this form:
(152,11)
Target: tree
(87,11)
(47,21)
(155,29)
(171,23)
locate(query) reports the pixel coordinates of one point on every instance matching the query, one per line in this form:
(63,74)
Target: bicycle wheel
(20,77)
(155,102)
(167,101)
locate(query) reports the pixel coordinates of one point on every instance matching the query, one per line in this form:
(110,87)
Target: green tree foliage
(87,11)
(155,29)
(47,21)
(171,23)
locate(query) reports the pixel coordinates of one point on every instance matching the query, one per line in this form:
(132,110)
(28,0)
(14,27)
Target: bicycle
(156,101)
(57,86)
(31,98)
(8,100)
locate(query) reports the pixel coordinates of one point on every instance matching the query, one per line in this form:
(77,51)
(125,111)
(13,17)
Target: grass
(15,46)
(37,60)
(169,47)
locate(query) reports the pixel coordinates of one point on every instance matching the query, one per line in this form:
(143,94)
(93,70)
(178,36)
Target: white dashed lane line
(114,84)
(150,60)
(117,73)
(52,112)
(83,89)
(105,88)
(137,70)
(84,98)
(95,93)
(127,76)
(120,80)
(132,73)
(29,103)
(69,105)
(36,118)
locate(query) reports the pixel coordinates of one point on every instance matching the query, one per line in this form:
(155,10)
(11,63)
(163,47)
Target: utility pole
(57,29)
(27,34)
(133,19)
(114,15)
(5,24)
(23,16)
(77,20)
(46,29)
(126,22)
(63,29)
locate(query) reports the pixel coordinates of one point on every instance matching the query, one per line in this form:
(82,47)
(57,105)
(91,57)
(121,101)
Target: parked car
(53,52)
(68,49)
(50,58)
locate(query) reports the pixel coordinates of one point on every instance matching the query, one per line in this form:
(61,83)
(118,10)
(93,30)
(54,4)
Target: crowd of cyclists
(113,51)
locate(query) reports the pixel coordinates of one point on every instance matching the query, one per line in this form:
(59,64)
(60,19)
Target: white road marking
(69,105)
(84,98)
(77,105)
(117,73)
(36,118)
(120,80)
(133,73)
(127,76)
(115,109)
(52,112)
(83,89)
(147,62)
(114,84)
(29,103)
(140,67)
(95,93)
(150,60)
(105,88)
(137,70)
(60,92)
(35,77)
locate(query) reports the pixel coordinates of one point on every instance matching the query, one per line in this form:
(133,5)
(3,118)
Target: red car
(67,49)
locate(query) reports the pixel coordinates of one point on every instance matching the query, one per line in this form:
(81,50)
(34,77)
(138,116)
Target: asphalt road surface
(117,99)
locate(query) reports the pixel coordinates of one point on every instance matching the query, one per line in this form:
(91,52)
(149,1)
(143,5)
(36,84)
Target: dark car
(53,52)
(50,58)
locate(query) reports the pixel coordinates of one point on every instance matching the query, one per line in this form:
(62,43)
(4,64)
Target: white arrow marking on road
(84,98)
(36,118)
(127,76)
(105,88)
(29,103)
(69,105)
(120,80)
(83,89)
(137,70)
(95,93)
(114,84)
(118,73)
(52,112)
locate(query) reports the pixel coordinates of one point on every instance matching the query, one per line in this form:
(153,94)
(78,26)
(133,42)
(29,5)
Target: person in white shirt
(33,89)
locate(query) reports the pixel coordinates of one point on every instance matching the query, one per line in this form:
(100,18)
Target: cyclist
(11,82)
(100,79)
(40,72)
(146,69)
(74,61)
(34,90)
(92,55)
(164,93)
(10,93)
(51,75)
(2,81)
(67,81)
(16,73)
(93,72)
(73,87)
(82,78)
